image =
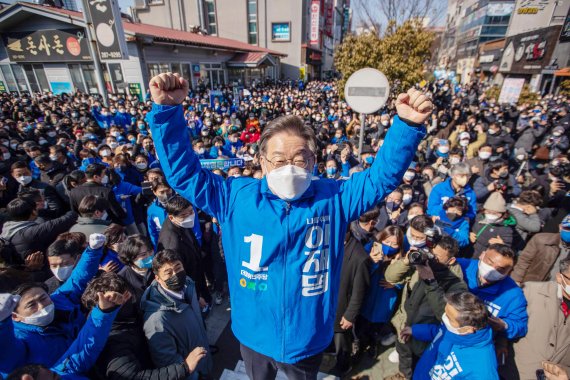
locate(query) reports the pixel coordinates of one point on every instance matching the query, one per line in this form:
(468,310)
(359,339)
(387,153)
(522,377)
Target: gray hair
(290,124)
(460,168)
(472,311)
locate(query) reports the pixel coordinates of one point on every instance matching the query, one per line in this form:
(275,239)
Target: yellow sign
(301,73)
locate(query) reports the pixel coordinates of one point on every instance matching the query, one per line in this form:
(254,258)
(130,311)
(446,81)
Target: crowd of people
(115,244)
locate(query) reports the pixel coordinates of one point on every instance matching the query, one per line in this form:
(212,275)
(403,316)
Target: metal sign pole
(94,53)
(361,141)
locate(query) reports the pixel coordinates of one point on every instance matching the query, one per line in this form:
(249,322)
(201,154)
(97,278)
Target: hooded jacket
(504,299)
(443,191)
(457,229)
(173,327)
(281,257)
(457,357)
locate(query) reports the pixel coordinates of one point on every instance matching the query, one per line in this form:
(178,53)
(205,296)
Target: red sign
(315,19)
(73,46)
(329,14)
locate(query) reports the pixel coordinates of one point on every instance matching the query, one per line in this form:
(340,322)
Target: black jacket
(354,282)
(55,206)
(138,285)
(183,241)
(126,357)
(115,211)
(55,174)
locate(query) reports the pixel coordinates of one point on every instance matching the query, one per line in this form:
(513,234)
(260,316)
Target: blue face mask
(331,171)
(565,236)
(389,251)
(369,160)
(145,263)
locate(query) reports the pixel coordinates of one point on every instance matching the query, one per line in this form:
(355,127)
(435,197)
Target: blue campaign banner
(59,88)
(215,94)
(222,164)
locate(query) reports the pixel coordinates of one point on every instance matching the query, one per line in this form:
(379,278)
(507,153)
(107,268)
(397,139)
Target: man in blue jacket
(488,278)
(34,335)
(461,347)
(455,186)
(283,234)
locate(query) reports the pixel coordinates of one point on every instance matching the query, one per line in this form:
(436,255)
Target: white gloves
(96,241)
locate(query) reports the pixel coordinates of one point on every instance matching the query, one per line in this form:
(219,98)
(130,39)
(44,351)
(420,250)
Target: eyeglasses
(299,161)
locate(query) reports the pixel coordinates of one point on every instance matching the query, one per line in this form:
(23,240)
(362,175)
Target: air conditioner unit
(140,4)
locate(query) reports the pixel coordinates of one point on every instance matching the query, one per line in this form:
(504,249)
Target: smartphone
(147,189)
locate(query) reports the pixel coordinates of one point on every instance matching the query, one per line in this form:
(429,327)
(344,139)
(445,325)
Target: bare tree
(373,12)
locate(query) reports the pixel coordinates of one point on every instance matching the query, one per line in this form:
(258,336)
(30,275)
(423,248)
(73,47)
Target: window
(153,70)
(210,7)
(9,77)
(76,77)
(20,78)
(29,71)
(89,77)
(42,78)
(252,22)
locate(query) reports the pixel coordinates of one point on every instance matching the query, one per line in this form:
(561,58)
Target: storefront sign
(136,90)
(280,31)
(215,94)
(528,53)
(511,90)
(2,87)
(329,14)
(486,58)
(66,45)
(222,164)
(109,34)
(346,20)
(531,15)
(500,9)
(59,88)
(315,19)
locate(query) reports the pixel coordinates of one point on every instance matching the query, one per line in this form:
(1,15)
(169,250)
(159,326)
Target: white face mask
(484,155)
(443,149)
(42,317)
(489,273)
(24,180)
(408,176)
(188,222)
(491,218)
(105,180)
(454,160)
(449,327)
(463,143)
(289,182)
(411,216)
(105,153)
(413,242)
(104,215)
(565,287)
(6,156)
(113,145)
(63,273)
(407,199)
(141,165)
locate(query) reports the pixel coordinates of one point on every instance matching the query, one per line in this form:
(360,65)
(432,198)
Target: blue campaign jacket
(454,357)
(22,343)
(155,217)
(379,303)
(457,229)
(504,299)
(443,191)
(283,258)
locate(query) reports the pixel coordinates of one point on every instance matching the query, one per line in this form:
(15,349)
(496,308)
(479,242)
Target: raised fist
(168,89)
(414,106)
(96,241)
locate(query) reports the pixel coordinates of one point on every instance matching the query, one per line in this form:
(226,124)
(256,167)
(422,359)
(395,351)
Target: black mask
(452,216)
(176,282)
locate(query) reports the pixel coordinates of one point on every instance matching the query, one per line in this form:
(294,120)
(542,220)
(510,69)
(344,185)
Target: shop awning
(252,59)
(565,72)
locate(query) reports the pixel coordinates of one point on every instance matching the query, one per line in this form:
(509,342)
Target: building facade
(306,31)
(46,49)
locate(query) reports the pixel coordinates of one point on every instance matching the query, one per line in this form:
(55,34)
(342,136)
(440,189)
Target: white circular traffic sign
(367,90)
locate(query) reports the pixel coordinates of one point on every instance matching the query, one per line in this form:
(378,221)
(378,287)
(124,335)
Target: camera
(502,184)
(433,236)
(560,170)
(421,256)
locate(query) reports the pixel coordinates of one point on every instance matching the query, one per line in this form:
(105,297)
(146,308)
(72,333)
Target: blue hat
(566,222)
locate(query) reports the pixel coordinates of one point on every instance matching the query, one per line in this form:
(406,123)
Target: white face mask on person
(492,218)
(24,180)
(63,273)
(413,242)
(452,329)
(289,182)
(489,273)
(42,317)
(187,222)
(105,180)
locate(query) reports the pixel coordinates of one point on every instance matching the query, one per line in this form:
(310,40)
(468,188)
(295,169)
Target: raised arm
(181,166)
(364,190)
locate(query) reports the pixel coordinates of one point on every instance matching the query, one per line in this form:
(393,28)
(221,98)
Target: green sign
(136,89)
(2,87)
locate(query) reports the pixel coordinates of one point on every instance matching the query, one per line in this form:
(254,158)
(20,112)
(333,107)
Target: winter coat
(115,211)
(88,226)
(505,228)
(504,299)
(21,343)
(29,236)
(457,357)
(421,303)
(174,327)
(155,218)
(482,193)
(527,225)
(183,241)
(124,193)
(443,191)
(457,229)
(473,148)
(537,259)
(354,282)
(548,335)
(380,303)
(53,201)
(281,256)
(126,356)
(527,137)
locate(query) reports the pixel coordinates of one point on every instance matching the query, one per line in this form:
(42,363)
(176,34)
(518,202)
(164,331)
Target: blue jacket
(21,343)
(457,229)
(379,303)
(155,217)
(283,258)
(443,191)
(504,299)
(128,191)
(454,357)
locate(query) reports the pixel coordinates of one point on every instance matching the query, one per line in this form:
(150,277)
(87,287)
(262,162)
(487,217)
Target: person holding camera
(425,274)
(488,278)
(497,178)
